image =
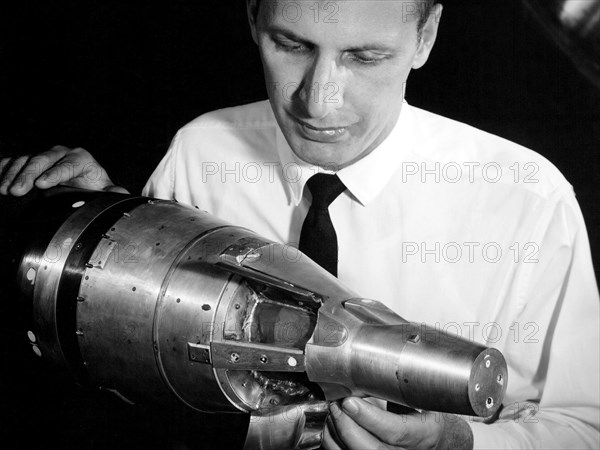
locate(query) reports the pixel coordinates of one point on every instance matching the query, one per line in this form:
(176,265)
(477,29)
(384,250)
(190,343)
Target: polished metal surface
(361,347)
(158,301)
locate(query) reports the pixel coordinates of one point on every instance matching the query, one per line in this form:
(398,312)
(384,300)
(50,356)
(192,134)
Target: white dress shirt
(443,223)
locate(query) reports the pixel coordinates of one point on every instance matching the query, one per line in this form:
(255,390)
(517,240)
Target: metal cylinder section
(424,368)
(360,347)
(142,300)
(156,301)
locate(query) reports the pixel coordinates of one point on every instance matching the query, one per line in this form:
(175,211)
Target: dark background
(120,77)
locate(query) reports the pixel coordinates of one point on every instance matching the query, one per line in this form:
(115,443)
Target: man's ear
(428,37)
(252,10)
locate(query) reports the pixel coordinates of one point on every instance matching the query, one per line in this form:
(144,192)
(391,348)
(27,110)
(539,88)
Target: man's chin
(326,156)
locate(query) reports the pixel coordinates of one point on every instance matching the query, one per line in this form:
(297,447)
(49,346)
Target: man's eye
(289,46)
(367,59)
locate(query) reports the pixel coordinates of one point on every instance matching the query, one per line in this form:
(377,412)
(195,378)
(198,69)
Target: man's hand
(359,425)
(59,165)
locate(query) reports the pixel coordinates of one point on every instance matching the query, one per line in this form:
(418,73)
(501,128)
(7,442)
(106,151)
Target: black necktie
(318,239)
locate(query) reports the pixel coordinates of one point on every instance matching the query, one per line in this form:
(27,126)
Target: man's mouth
(322,134)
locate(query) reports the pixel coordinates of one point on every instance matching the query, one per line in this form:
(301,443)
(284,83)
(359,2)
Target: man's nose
(322,89)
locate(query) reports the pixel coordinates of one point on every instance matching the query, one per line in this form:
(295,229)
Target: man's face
(336,71)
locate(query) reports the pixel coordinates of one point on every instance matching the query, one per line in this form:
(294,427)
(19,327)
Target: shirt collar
(364,179)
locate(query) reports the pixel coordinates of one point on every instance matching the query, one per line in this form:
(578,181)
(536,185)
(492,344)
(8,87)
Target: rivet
(292,361)
(234,357)
(31,336)
(36,350)
(31,274)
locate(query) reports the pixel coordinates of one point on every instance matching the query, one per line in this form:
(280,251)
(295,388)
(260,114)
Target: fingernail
(335,409)
(350,406)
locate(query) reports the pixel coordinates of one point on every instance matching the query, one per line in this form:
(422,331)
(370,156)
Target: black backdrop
(120,77)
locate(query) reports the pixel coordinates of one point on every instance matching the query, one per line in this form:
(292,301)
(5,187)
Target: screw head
(292,362)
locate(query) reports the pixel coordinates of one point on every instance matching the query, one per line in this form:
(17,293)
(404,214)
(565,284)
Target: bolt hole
(489,402)
(206,307)
(133,289)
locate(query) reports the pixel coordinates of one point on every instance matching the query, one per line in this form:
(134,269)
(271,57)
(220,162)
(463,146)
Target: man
(444,223)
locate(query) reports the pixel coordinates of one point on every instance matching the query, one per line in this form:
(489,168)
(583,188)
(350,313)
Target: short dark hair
(424,8)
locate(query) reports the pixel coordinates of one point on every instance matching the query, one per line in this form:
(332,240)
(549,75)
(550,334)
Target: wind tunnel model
(160,301)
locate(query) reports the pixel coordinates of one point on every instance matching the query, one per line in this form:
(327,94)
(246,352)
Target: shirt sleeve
(552,346)
(161,183)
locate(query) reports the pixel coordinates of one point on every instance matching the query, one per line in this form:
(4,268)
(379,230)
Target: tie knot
(324,189)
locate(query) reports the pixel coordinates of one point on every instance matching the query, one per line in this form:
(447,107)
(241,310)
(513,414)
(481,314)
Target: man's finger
(408,431)
(69,166)
(79,169)
(11,173)
(329,441)
(35,167)
(352,435)
(3,164)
